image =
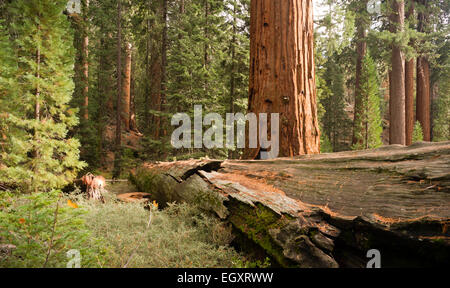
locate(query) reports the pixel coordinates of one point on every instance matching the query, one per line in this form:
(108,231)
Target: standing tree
(85,57)
(397,88)
(126,94)
(409,79)
(361,49)
(282,76)
(118,144)
(40,155)
(423,100)
(368,129)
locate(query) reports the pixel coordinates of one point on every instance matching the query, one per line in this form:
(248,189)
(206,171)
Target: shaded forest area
(92,86)
(381,73)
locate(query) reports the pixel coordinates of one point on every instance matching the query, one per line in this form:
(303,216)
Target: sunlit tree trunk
(282,78)
(409,87)
(397,93)
(423,81)
(126,96)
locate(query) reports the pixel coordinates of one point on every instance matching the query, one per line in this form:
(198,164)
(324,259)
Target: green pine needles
(369,127)
(417,133)
(37,152)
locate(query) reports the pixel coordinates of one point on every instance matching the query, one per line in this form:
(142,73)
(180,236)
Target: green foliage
(369,129)
(43,228)
(441,106)
(336,122)
(38,154)
(239,263)
(417,133)
(179,236)
(207,64)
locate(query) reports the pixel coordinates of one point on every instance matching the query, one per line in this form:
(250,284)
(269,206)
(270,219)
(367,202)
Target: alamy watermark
(214,138)
(374,6)
(74,257)
(375,258)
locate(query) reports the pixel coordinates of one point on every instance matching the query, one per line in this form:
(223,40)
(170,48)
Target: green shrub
(179,236)
(43,228)
(417,133)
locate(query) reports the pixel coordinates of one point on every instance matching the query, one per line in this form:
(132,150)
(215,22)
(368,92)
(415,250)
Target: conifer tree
(41,156)
(368,129)
(417,133)
(335,121)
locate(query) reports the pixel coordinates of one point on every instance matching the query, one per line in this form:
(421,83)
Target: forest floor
(181,235)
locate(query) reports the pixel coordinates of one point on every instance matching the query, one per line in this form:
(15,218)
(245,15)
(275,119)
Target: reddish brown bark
(397,96)
(282,76)
(126,95)
(423,82)
(409,88)
(423,96)
(133,124)
(409,100)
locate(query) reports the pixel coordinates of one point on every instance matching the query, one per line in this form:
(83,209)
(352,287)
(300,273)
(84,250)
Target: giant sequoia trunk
(397,93)
(409,87)
(423,82)
(282,73)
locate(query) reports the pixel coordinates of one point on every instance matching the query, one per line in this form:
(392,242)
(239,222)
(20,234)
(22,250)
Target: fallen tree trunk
(324,210)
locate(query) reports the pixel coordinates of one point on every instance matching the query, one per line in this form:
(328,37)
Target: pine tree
(417,133)
(441,123)
(8,69)
(41,156)
(335,120)
(368,129)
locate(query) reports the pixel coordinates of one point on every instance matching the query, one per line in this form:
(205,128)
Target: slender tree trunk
(233,68)
(147,73)
(85,57)
(282,76)
(133,124)
(126,96)
(164,68)
(233,60)
(101,93)
(423,81)
(206,56)
(118,148)
(409,100)
(409,86)
(397,100)
(361,49)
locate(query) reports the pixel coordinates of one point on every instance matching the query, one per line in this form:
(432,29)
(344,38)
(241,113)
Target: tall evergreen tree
(368,129)
(335,120)
(41,156)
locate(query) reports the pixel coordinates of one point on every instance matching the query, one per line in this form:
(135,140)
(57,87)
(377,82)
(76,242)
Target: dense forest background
(132,64)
